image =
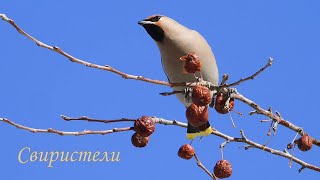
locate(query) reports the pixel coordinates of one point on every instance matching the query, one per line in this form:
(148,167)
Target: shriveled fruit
(221,100)
(223,169)
(186,152)
(192,62)
(304,143)
(144,126)
(139,141)
(201,95)
(197,115)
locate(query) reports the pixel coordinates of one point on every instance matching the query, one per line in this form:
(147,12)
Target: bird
(175,40)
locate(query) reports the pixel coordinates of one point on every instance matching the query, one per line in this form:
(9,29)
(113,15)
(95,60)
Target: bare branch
(222,145)
(250,77)
(199,163)
(85,118)
(215,132)
(275,117)
(96,66)
(171,93)
(278,153)
(65,133)
(225,78)
(76,60)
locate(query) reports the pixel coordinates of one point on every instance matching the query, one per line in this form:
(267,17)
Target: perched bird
(175,40)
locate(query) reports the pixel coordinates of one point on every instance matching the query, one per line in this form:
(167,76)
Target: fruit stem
(233,125)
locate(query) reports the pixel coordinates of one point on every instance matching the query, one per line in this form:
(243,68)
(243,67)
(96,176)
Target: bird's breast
(171,52)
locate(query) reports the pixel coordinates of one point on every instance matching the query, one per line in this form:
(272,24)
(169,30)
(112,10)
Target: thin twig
(222,145)
(65,133)
(269,63)
(274,117)
(171,93)
(225,78)
(199,163)
(85,118)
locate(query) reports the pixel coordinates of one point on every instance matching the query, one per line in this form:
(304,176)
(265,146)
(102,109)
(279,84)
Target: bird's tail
(193,132)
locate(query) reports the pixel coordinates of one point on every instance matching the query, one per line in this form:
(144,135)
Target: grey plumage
(175,40)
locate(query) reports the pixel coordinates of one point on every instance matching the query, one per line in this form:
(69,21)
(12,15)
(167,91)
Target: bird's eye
(155,19)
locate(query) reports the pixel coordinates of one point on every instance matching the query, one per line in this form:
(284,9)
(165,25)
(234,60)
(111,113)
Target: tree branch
(215,132)
(76,60)
(269,63)
(96,66)
(85,118)
(275,117)
(65,133)
(199,163)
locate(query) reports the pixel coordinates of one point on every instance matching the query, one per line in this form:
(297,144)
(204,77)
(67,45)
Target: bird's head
(159,26)
(152,25)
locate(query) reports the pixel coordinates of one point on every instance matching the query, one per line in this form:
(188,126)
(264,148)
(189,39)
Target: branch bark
(269,63)
(215,132)
(85,118)
(64,133)
(275,117)
(80,61)
(199,163)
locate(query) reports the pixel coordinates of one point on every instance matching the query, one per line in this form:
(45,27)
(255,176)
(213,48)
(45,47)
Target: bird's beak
(142,23)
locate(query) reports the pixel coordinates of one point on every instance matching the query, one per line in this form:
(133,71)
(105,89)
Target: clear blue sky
(37,85)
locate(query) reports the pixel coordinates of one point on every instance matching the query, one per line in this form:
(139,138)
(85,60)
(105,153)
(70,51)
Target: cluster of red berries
(197,113)
(143,128)
(221,170)
(220,104)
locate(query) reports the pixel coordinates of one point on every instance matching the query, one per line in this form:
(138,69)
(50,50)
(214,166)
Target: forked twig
(274,117)
(269,63)
(199,163)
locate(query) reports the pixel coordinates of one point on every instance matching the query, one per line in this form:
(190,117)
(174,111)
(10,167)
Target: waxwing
(175,40)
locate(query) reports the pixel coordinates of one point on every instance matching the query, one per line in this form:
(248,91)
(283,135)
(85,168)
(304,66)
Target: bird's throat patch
(155,32)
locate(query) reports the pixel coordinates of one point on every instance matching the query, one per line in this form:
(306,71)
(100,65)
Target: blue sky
(37,85)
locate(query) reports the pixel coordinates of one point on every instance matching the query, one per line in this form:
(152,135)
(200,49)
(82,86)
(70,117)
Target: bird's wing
(164,71)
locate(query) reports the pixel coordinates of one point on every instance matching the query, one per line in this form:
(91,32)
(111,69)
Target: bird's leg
(187,94)
(198,79)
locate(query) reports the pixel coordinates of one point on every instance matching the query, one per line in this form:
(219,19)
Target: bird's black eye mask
(153,18)
(155,32)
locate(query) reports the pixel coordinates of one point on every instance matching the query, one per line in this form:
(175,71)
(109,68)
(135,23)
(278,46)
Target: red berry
(305,143)
(201,95)
(197,115)
(186,152)
(221,100)
(139,141)
(192,62)
(223,169)
(144,126)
